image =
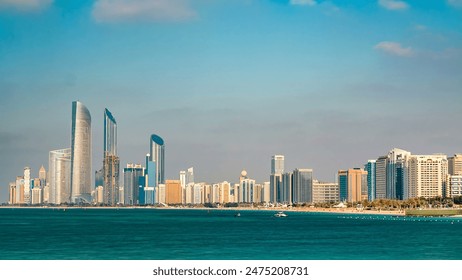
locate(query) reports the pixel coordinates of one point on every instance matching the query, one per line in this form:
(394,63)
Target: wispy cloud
(394,5)
(25,5)
(303,2)
(394,48)
(142,10)
(455,3)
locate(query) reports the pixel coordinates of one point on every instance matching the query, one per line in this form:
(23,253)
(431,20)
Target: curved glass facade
(80,153)
(158,156)
(110,133)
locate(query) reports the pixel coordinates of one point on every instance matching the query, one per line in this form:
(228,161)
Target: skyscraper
(397,162)
(190,176)
(158,156)
(277,169)
(303,186)
(277,164)
(352,185)
(370,168)
(132,175)
(60,176)
(80,153)
(111,161)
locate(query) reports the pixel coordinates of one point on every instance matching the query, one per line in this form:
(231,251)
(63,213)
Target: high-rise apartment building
(380,178)
(80,154)
(353,185)
(302,186)
(427,175)
(111,163)
(59,165)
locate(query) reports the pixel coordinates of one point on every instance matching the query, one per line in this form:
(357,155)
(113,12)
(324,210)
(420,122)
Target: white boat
(280,214)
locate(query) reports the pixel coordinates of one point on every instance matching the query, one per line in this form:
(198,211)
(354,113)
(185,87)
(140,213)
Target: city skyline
(327,84)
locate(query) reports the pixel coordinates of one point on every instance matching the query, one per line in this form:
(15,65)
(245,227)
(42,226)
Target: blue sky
(228,83)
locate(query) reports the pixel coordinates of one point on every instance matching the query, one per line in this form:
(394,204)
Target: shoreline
(275,209)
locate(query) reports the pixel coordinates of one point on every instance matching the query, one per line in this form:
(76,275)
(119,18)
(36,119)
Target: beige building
(455,165)
(427,175)
(173,192)
(325,192)
(353,185)
(36,196)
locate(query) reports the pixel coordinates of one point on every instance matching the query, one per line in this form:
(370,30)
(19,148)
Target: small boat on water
(280,214)
(237,215)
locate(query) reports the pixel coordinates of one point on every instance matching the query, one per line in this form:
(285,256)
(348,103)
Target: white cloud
(394,48)
(393,4)
(145,10)
(25,5)
(455,3)
(303,2)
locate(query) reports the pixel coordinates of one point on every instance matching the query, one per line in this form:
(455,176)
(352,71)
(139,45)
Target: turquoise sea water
(136,234)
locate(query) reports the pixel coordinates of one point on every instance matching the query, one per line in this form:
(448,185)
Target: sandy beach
(285,209)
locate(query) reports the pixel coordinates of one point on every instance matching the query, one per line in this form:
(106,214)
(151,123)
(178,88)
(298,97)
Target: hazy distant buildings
(189,176)
(246,188)
(59,166)
(111,161)
(36,198)
(132,175)
(183,178)
(80,153)
(43,176)
(27,185)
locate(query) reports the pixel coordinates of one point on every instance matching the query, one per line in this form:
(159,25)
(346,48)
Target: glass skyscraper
(370,168)
(132,175)
(157,155)
(303,186)
(80,153)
